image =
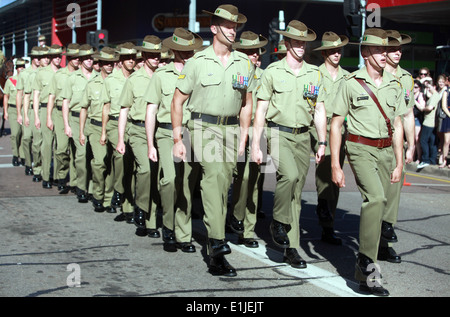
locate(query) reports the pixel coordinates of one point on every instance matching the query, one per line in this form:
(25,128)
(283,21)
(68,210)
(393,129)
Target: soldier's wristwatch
(323,143)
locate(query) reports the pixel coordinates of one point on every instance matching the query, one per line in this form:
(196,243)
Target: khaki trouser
(102,178)
(146,189)
(62,163)
(46,145)
(372,169)
(291,156)
(122,166)
(325,187)
(27,140)
(215,149)
(244,199)
(80,157)
(16,133)
(166,176)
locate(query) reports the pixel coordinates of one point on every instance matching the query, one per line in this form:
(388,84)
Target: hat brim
(241,18)
(143,49)
(102,59)
(344,41)
(406,39)
(169,43)
(311,35)
(262,42)
(391,42)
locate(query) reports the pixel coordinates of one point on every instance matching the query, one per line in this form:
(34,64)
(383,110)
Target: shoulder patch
(181,76)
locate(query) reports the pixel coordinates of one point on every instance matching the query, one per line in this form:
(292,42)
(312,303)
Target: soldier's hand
(320,155)
(68,131)
(396,175)
(120,147)
(257,155)
(338,177)
(19,119)
(5,115)
(27,121)
(103,139)
(50,123)
(153,154)
(179,150)
(82,139)
(409,155)
(37,123)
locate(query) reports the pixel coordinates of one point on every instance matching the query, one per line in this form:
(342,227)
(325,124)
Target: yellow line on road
(428,177)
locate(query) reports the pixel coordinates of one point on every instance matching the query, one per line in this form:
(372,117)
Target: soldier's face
(56,60)
(151,59)
(333,56)
(253,54)
(296,48)
(107,67)
(75,62)
(128,61)
(87,62)
(44,61)
(375,56)
(225,31)
(394,54)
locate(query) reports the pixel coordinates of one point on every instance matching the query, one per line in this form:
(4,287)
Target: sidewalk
(429,170)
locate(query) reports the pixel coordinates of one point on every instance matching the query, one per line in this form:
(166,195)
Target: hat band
(331,43)
(226,15)
(296,32)
(70,51)
(182,41)
(88,52)
(370,39)
(106,55)
(151,46)
(127,51)
(247,42)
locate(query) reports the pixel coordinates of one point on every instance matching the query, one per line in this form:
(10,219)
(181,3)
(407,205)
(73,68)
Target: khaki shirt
(74,88)
(57,83)
(161,90)
(257,77)
(284,90)
(210,84)
(42,82)
(133,92)
(92,98)
(23,77)
(331,87)
(27,84)
(112,89)
(11,90)
(363,116)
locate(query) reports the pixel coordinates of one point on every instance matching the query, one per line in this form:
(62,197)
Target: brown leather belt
(378,143)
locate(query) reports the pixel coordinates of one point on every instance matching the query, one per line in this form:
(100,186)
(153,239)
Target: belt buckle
(295,131)
(380,143)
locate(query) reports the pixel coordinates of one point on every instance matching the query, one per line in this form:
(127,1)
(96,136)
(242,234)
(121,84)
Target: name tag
(362,98)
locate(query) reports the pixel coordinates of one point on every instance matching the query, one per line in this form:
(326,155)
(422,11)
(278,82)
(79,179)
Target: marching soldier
(373,101)
(23,99)
(289,111)
(247,174)
(41,93)
(219,82)
(112,89)
(92,109)
(10,113)
(176,228)
(134,109)
(31,117)
(63,165)
(72,94)
(327,191)
(388,236)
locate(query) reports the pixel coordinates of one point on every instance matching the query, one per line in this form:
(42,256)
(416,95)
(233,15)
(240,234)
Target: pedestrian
(219,81)
(72,94)
(63,166)
(91,132)
(41,85)
(445,128)
(247,174)
(419,106)
(430,126)
(327,192)
(388,236)
(133,109)
(289,112)
(372,100)
(177,226)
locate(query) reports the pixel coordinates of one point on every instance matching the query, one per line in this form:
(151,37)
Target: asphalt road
(53,246)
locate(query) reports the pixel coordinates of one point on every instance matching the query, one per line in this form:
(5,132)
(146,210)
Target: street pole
(363,29)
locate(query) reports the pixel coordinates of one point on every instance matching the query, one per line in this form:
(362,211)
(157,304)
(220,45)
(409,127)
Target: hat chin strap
(293,51)
(220,28)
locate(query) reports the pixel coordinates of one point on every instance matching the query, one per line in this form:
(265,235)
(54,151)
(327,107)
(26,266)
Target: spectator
(428,134)
(444,132)
(418,115)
